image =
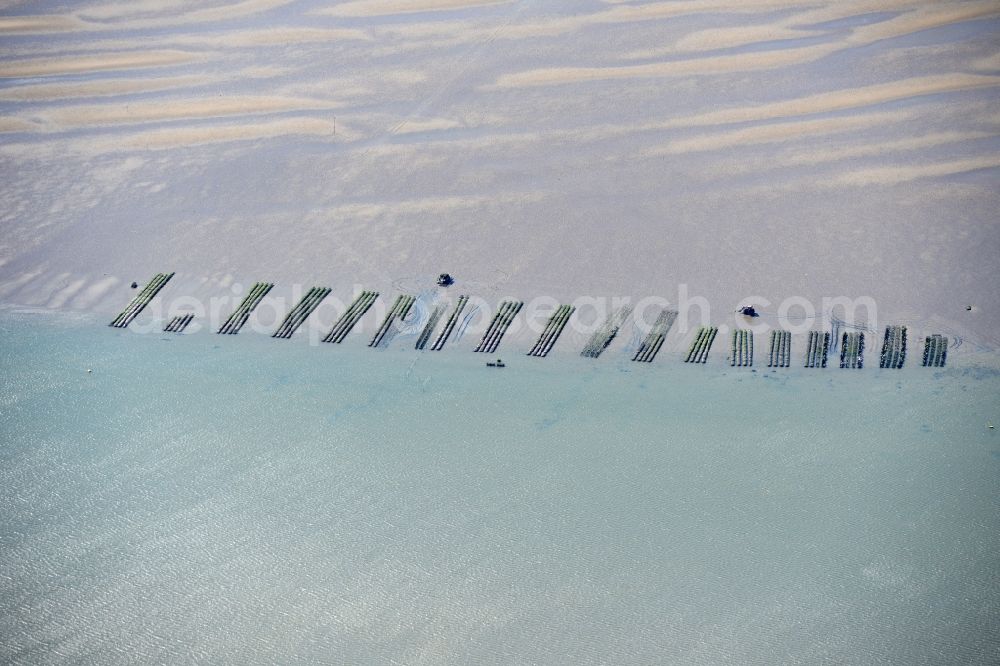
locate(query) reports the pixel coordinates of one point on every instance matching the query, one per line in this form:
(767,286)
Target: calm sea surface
(238,499)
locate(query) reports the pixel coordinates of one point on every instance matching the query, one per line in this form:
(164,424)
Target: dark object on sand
(141,300)
(893,348)
(450,324)
(351,316)
(400,309)
(698,352)
(650,347)
(935,351)
(498,326)
(499,364)
(178,324)
(748,311)
(298,315)
(240,316)
(553,329)
(135,285)
(445,280)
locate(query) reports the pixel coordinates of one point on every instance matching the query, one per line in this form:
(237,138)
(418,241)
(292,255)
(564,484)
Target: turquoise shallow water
(241,499)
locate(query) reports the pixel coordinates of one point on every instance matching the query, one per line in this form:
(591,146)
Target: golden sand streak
(27,25)
(389,7)
(177,109)
(79,64)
